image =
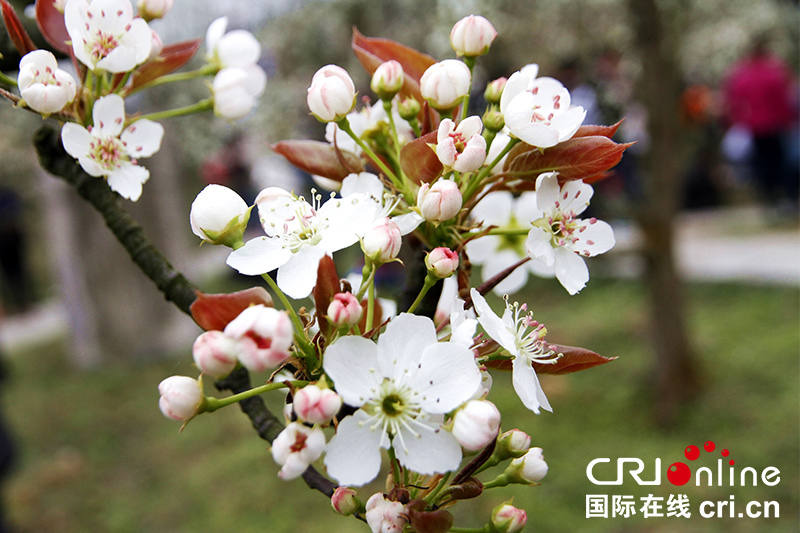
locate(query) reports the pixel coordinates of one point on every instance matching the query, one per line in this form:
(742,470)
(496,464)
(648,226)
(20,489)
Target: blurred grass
(97,455)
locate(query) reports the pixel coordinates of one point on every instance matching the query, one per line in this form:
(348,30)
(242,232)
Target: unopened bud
(445,84)
(476,424)
(264,336)
(528,469)
(384,516)
(181,397)
(382,242)
(296,447)
(332,94)
(493,120)
(219,216)
(513,443)
(440,201)
(215,354)
(442,262)
(387,80)
(472,36)
(344,310)
(154,9)
(315,405)
(508,519)
(345,501)
(409,109)
(494,90)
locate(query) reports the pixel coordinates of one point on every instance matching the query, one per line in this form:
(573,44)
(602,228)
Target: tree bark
(676,370)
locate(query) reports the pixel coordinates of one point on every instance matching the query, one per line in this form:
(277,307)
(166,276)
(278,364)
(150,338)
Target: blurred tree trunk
(659,88)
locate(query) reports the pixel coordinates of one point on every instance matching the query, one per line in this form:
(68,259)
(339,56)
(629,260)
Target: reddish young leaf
(371,52)
(419,161)
(171,58)
(572,360)
(575,159)
(16,31)
(214,311)
(327,286)
(319,158)
(603,131)
(51,23)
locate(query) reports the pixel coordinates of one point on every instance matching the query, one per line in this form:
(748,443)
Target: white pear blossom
(296,447)
(461,148)
(445,84)
(558,238)
(299,234)
(402,386)
(385,516)
(237,48)
(369,183)
(107,150)
(526,347)
(44,87)
(236,90)
(538,110)
(105,36)
(497,252)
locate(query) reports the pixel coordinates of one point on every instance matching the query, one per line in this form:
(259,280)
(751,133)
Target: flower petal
(127,180)
(143,138)
(76,139)
(597,238)
(108,115)
(351,362)
(571,270)
(431,450)
(446,376)
(493,324)
(494,208)
(538,245)
(527,387)
(400,347)
(299,275)
(499,262)
(353,455)
(259,256)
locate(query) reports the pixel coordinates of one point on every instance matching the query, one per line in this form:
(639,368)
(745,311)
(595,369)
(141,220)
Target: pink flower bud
(156,45)
(315,405)
(154,9)
(442,262)
(181,396)
(345,501)
(494,90)
(529,469)
(513,443)
(382,242)
(461,148)
(472,36)
(219,215)
(296,447)
(332,94)
(444,84)
(344,310)
(508,519)
(387,79)
(384,516)
(440,201)
(264,336)
(215,354)
(476,424)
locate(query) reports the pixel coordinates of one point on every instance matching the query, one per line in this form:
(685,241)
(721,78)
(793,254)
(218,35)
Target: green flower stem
(484,529)
(394,463)
(199,107)
(7,80)
(308,353)
(212,404)
(433,495)
(123,82)
(344,124)
(207,70)
(470,62)
(367,274)
(509,231)
(371,301)
(500,481)
(387,106)
(476,183)
(430,281)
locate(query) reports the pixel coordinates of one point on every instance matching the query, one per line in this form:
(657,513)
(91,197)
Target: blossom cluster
(472,190)
(415,180)
(118,54)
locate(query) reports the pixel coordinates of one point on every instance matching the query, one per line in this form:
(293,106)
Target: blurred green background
(84,354)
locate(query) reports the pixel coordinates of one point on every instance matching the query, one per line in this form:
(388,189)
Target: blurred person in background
(759,97)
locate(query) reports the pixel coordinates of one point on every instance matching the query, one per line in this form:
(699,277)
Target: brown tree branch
(174,285)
